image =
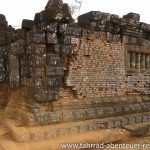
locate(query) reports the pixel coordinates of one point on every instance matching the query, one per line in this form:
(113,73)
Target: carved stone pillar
(138,60)
(147,61)
(142,61)
(133,60)
(129,60)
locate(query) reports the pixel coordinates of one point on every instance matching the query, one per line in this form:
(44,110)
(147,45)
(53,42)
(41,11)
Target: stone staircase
(75,118)
(50,132)
(138,129)
(64,111)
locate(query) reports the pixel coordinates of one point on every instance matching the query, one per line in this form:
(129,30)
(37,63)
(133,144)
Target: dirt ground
(6,143)
(133,141)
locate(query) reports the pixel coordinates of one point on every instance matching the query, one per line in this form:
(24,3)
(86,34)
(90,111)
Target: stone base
(63,111)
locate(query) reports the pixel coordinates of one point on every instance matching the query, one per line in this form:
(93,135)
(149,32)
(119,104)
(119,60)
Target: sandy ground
(117,135)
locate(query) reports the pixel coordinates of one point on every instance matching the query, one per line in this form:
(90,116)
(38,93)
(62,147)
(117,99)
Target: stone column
(133,60)
(129,60)
(147,61)
(143,61)
(138,60)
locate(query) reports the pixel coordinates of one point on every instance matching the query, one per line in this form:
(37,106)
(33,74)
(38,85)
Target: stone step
(64,116)
(91,137)
(25,134)
(139,129)
(97,102)
(32,113)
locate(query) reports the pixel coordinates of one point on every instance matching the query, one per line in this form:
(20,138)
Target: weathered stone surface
(53,58)
(56,4)
(133,16)
(27,24)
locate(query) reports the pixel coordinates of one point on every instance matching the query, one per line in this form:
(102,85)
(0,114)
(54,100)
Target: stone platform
(75,117)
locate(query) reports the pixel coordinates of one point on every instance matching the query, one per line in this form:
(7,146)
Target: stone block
(133,16)
(36,37)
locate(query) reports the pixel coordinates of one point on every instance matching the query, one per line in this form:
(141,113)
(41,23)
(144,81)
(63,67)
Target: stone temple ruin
(54,71)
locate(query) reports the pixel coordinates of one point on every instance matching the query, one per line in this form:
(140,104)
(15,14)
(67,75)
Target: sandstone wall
(97,69)
(58,71)
(53,58)
(5,39)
